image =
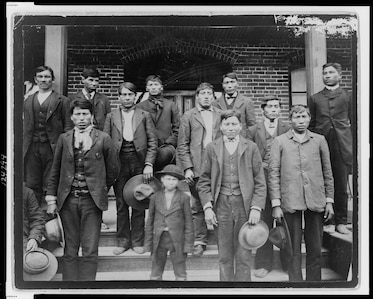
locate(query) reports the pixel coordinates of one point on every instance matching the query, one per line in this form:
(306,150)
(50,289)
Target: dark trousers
(160,258)
(81,220)
(340,174)
(313,231)
(128,231)
(38,163)
(234,260)
(200,227)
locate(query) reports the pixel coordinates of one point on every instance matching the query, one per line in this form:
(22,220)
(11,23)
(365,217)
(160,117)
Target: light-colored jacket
(191,135)
(300,173)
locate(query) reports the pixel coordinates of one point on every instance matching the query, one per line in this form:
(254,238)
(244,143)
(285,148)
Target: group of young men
(237,170)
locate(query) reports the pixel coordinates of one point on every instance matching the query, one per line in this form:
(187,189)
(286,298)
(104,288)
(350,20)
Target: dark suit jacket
(33,217)
(257,134)
(167,121)
(144,137)
(191,134)
(332,110)
(101,168)
(101,104)
(250,174)
(243,104)
(178,219)
(58,119)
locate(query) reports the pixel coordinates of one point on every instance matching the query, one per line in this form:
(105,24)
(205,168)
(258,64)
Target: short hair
(82,104)
(129,85)
(230,75)
(271,97)
(43,68)
(90,71)
(337,66)
(155,78)
(230,113)
(299,109)
(204,85)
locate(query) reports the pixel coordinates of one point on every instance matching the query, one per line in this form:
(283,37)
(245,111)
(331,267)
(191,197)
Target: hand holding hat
(280,237)
(39,265)
(253,236)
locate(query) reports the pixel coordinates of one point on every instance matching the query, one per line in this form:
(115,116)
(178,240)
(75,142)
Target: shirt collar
(232,96)
(129,110)
(91,95)
(267,121)
(235,139)
(201,109)
(332,87)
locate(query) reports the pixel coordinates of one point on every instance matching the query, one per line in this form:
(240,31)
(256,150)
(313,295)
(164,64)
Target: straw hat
(54,231)
(253,236)
(39,265)
(136,193)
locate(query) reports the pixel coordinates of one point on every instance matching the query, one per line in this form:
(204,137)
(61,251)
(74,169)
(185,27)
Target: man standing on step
(85,166)
(232,190)
(46,116)
(263,134)
(133,134)
(331,116)
(199,126)
(101,104)
(165,115)
(233,100)
(300,183)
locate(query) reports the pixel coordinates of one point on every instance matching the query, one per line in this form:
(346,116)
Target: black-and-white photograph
(189,149)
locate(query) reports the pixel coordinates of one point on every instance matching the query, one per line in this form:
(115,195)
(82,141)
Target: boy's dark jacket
(178,219)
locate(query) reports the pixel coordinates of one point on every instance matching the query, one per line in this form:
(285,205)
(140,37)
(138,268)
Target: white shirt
(127,125)
(208,121)
(231,144)
(229,99)
(89,96)
(267,124)
(43,96)
(300,137)
(332,87)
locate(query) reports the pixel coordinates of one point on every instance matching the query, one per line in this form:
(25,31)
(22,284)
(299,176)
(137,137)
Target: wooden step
(201,275)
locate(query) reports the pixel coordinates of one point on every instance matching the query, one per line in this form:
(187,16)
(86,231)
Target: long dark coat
(144,137)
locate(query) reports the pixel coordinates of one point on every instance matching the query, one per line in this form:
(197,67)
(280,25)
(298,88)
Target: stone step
(131,261)
(201,275)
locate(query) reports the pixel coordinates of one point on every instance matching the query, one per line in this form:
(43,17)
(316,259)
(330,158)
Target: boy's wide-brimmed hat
(165,155)
(172,170)
(54,231)
(39,265)
(136,193)
(253,236)
(280,237)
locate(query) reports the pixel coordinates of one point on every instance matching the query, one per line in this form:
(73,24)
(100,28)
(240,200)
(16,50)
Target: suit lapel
(282,127)
(238,102)
(216,123)
(262,134)
(117,120)
(94,136)
(242,146)
(69,138)
(54,101)
(218,149)
(198,117)
(221,102)
(137,119)
(29,109)
(174,206)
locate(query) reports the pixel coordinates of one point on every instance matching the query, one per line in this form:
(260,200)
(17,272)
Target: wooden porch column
(316,56)
(55,55)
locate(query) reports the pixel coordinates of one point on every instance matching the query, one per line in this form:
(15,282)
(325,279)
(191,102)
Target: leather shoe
(260,273)
(341,228)
(139,249)
(199,249)
(118,250)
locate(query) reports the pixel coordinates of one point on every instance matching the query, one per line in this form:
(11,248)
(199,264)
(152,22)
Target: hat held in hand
(54,231)
(136,193)
(166,153)
(253,236)
(280,237)
(39,265)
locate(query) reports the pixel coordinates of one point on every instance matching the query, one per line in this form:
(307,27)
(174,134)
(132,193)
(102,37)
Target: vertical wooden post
(316,57)
(55,55)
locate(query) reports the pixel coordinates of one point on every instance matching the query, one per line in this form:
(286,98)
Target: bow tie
(226,139)
(228,97)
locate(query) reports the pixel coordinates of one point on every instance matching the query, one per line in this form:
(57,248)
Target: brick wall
(261,70)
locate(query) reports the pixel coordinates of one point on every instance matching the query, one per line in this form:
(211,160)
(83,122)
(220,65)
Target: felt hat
(136,193)
(54,231)
(280,237)
(269,97)
(165,155)
(39,265)
(173,170)
(253,236)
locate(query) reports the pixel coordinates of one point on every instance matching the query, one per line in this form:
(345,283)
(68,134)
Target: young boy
(169,226)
